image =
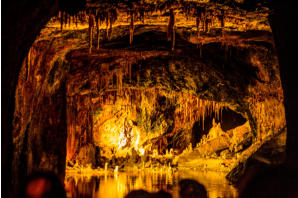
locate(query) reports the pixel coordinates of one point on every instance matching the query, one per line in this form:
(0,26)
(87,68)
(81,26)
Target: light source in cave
(159,124)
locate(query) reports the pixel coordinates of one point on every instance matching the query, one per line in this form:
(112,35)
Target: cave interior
(117,86)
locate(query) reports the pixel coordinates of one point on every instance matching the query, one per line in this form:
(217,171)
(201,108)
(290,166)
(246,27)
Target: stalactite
(142,16)
(91,117)
(222,21)
(130,72)
(170,25)
(131,27)
(107,24)
(61,20)
(207,24)
(173,40)
(80,16)
(97,30)
(171,29)
(91,24)
(111,27)
(198,26)
(203,17)
(218,109)
(76,20)
(69,20)
(203,117)
(65,19)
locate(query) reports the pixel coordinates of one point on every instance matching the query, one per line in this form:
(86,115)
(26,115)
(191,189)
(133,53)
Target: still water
(117,185)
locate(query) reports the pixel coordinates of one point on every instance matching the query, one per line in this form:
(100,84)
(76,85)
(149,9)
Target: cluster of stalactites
(128,96)
(205,19)
(114,79)
(68,19)
(95,17)
(192,109)
(269,115)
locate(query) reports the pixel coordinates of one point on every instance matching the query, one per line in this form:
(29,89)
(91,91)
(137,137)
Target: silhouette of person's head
(191,189)
(43,185)
(145,194)
(162,194)
(138,194)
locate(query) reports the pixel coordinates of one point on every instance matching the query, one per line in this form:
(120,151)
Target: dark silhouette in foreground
(138,194)
(273,182)
(42,185)
(145,194)
(162,194)
(191,189)
(188,189)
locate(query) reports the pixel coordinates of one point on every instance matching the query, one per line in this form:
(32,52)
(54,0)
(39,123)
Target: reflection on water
(117,185)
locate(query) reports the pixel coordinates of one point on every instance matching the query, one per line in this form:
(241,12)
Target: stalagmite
(131,27)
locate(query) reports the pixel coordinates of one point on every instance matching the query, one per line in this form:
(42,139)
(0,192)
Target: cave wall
(22,22)
(286,41)
(40,126)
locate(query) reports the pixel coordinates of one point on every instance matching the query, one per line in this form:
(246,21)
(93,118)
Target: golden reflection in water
(118,184)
